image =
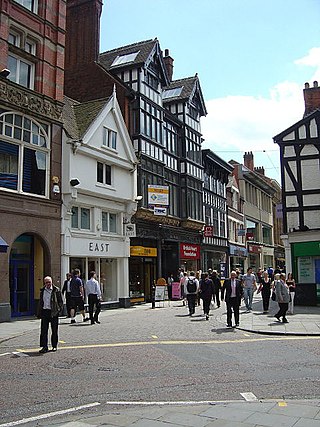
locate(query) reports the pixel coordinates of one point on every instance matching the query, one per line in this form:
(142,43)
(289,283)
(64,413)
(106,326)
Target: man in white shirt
(93,293)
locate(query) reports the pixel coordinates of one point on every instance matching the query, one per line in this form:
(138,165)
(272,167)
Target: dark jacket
(228,290)
(56,302)
(206,288)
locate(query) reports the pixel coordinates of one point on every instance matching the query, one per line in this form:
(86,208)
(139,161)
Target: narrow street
(145,355)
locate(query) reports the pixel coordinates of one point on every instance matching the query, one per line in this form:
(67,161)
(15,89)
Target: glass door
(21,288)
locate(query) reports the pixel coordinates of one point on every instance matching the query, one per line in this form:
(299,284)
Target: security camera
(74,182)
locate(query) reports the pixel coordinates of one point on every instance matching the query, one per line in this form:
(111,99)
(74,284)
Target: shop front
(254,256)
(142,273)
(306,270)
(189,257)
(237,257)
(108,258)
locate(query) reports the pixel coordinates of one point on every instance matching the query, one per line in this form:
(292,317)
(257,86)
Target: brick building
(31,86)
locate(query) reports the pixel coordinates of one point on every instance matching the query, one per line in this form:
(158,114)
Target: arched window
(24,154)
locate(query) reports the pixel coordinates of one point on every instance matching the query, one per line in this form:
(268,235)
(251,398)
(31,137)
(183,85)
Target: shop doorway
(26,272)
(21,288)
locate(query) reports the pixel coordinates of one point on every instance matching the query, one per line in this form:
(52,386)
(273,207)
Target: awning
(3,245)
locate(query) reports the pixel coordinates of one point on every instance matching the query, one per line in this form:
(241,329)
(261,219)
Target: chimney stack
(168,62)
(311,98)
(260,170)
(248,160)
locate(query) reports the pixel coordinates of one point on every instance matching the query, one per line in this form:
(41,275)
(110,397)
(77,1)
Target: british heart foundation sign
(189,251)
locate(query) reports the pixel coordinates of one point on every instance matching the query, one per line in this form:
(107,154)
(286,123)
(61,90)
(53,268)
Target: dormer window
(124,59)
(171,93)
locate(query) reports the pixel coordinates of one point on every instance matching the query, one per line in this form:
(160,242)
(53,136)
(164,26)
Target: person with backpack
(191,290)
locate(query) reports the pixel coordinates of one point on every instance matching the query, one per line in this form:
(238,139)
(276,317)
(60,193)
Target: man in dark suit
(66,289)
(233,294)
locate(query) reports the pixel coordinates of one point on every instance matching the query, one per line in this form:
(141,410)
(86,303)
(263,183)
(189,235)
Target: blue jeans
(248,296)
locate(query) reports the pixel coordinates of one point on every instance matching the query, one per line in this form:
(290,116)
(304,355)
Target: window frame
(78,211)
(107,221)
(107,174)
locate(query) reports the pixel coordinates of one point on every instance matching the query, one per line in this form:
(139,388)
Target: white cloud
(236,124)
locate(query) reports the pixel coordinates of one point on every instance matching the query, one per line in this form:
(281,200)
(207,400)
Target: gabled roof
(190,88)
(278,138)
(78,117)
(145,51)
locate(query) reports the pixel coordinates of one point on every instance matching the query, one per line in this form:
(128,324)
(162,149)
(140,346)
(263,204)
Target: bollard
(153,296)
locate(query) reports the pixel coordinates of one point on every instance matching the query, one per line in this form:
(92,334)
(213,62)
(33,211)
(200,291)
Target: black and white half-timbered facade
(300,174)
(165,130)
(214,250)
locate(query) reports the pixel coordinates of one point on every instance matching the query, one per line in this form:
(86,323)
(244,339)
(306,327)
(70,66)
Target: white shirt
(92,287)
(233,288)
(47,298)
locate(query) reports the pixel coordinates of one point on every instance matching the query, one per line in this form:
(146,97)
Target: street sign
(130,230)
(208,231)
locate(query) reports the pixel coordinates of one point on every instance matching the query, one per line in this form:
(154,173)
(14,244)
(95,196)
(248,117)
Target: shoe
(44,350)
(229,326)
(54,349)
(218,306)
(98,321)
(85,319)
(278,318)
(207,317)
(92,322)
(73,321)
(285,321)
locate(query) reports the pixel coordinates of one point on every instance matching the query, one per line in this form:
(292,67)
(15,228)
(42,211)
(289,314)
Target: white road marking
(4,354)
(20,354)
(161,403)
(249,397)
(49,415)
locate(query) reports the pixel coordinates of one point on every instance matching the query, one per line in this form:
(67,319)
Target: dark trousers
(68,303)
(216,296)
(266,298)
(45,320)
(232,304)
(206,305)
(94,301)
(283,307)
(191,303)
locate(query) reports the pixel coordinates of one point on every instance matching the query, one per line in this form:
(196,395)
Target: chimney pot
(306,85)
(166,52)
(311,98)
(315,83)
(168,62)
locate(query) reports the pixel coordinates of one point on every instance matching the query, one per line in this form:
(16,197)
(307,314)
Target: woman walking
(265,289)
(292,287)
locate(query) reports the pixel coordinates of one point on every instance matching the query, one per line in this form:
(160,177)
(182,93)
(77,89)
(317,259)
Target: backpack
(191,286)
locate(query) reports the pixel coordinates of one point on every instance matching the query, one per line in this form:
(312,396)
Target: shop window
(109,222)
(104,173)
(23,155)
(80,218)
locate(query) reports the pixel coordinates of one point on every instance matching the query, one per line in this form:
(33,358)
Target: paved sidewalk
(215,414)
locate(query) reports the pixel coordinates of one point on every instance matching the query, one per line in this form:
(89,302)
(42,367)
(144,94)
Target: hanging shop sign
(143,251)
(158,195)
(189,251)
(159,211)
(208,231)
(130,230)
(253,249)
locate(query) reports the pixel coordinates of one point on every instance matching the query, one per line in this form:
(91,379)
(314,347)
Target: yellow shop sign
(142,251)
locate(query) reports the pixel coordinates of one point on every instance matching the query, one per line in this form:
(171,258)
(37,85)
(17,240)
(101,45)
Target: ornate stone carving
(31,101)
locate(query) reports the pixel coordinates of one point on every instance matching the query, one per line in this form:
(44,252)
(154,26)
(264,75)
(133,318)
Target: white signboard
(305,270)
(160,211)
(159,293)
(158,195)
(130,230)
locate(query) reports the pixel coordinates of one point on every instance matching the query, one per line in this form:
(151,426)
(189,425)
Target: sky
(252,57)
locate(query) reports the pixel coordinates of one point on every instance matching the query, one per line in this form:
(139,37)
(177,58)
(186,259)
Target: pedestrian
(183,283)
(77,296)
(49,309)
(206,291)
(249,286)
(191,290)
(292,288)
(93,293)
(233,294)
(66,290)
(217,286)
(270,272)
(265,289)
(282,297)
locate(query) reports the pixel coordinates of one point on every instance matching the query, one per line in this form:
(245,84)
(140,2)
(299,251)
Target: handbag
(273,296)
